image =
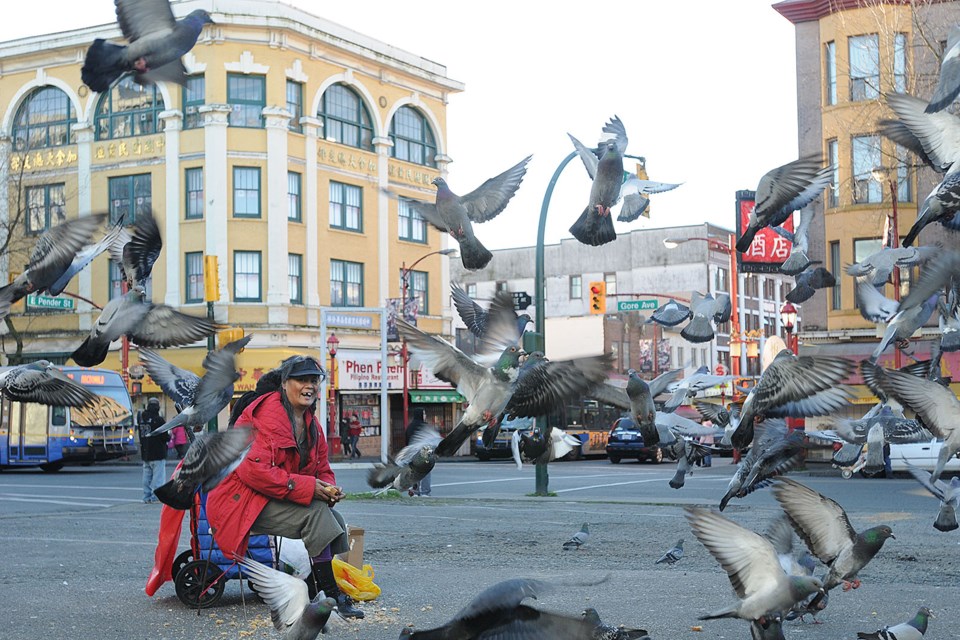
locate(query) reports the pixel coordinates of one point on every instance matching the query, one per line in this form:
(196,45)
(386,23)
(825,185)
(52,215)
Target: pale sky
(706,90)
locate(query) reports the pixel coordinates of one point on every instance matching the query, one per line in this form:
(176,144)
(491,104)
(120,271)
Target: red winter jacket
(271,470)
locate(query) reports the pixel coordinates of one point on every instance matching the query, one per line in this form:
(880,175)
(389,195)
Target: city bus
(49,437)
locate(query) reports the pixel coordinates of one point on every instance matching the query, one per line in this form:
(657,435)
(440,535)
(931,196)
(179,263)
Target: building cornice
(797,11)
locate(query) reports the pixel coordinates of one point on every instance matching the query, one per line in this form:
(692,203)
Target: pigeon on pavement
(409,466)
(578,539)
(825,528)
(602,631)
(936,405)
(808,281)
(493,391)
(476,317)
(673,555)
(84,257)
(147,324)
(215,390)
(699,380)
(50,259)
(912,629)
(763,589)
(291,610)
(157,42)
(455,214)
(775,451)
(948,494)
(43,383)
(782,191)
(798,260)
(137,253)
(794,386)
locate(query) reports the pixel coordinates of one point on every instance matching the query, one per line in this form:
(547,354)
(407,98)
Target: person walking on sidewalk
(284,486)
(153,450)
(355,430)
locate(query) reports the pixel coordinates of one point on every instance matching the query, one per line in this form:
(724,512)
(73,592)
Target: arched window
(345,118)
(44,120)
(128,109)
(412,138)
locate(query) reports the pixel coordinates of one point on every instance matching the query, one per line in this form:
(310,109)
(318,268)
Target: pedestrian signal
(598,298)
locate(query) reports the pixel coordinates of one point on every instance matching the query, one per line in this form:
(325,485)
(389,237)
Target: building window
(44,119)
(417,289)
(769,290)
(835,267)
(720,283)
(346,284)
(412,226)
(193,263)
(611,280)
(295,105)
(295,276)
(864,67)
(866,158)
(472,291)
(830,74)
(863,249)
(900,63)
(293,196)
(576,287)
(904,177)
(345,118)
(130,197)
(345,207)
(46,207)
(246,276)
(193,178)
(194,94)
(246,192)
(412,138)
(501,286)
(247,98)
(693,358)
(128,109)
(679,364)
(833,157)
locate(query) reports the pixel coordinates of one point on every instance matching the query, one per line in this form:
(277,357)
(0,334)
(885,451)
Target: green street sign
(637,305)
(40,301)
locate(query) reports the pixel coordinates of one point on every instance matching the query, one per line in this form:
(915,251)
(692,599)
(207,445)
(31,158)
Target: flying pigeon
(51,258)
(873,305)
(904,324)
(934,132)
(673,555)
(454,214)
(798,260)
(291,610)
(807,283)
(942,204)
(698,381)
(688,453)
(157,42)
(43,383)
(912,629)
(602,631)
(775,451)
(780,535)
(578,539)
(147,324)
(594,227)
(703,309)
(210,458)
(948,306)
(825,528)
(410,466)
(533,446)
(878,267)
(635,191)
(782,191)
(670,314)
(493,391)
(872,373)
(476,317)
(948,494)
(215,390)
(948,84)
(137,253)
(751,563)
(794,386)
(715,413)
(498,612)
(877,428)
(638,400)
(177,384)
(84,257)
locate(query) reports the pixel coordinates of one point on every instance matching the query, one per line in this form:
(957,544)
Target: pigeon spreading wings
(177,384)
(670,314)
(84,257)
(43,383)
(291,610)
(137,253)
(156,39)
(477,319)
(947,493)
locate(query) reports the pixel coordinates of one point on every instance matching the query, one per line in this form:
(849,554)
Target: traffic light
(211,279)
(598,298)
(226,336)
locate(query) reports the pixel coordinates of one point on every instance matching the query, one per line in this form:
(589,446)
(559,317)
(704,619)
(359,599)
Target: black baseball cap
(306,366)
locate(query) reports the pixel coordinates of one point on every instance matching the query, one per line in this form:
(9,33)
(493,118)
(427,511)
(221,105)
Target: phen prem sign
(364,370)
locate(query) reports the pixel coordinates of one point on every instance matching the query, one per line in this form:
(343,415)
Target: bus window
(59,418)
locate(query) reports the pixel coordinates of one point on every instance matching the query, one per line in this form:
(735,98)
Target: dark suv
(625,441)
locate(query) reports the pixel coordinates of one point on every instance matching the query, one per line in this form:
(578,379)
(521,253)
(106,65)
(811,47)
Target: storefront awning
(436,396)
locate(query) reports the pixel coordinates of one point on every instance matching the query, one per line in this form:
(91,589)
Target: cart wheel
(180,562)
(847,474)
(197,584)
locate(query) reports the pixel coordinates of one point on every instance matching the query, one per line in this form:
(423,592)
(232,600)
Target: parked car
(501,446)
(920,454)
(626,441)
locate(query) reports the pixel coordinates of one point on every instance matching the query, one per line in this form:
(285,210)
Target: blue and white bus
(36,435)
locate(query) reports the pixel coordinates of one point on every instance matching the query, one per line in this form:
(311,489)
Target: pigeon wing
(938,133)
(472,314)
(285,594)
(615,126)
(57,248)
(489,199)
(790,379)
(177,384)
(589,158)
(819,521)
(143,249)
(781,189)
(948,85)
(49,386)
(85,257)
(614,396)
(423,437)
(164,326)
(210,454)
(548,385)
(427,211)
(140,18)
(659,384)
(936,405)
(938,489)
(446,361)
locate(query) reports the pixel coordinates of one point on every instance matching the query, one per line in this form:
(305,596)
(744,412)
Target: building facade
(278,157)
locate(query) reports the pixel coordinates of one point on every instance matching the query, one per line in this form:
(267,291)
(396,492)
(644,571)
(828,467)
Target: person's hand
(331,494)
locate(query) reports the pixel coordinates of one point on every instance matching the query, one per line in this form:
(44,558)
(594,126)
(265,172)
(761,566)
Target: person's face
(301,391)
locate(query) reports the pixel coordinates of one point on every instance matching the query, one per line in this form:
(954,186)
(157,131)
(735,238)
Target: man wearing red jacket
(285,485)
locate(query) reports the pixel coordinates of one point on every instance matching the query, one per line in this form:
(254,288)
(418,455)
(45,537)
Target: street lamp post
(333,432)
(404,355)
(730,249)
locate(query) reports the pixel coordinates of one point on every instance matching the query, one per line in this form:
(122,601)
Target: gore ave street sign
(637,305)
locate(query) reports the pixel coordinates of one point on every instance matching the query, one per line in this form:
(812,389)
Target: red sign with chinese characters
(769,250)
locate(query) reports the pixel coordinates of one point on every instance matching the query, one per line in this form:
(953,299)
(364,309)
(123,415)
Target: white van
(920,454)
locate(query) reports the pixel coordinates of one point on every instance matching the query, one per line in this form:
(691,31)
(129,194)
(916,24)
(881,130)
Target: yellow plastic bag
(356,583)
